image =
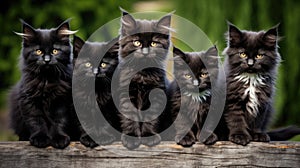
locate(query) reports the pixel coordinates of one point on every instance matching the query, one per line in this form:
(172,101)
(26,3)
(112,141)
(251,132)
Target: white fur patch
(252,81)
(200,97)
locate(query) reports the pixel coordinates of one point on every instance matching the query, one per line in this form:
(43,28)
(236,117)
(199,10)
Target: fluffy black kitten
(142,43)
(92,70)
(40,102)
(251,69)
(190,93)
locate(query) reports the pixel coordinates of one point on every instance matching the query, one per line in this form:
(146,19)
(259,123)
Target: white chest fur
(252,82)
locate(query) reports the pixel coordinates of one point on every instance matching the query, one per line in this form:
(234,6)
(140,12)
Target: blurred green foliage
(210,15)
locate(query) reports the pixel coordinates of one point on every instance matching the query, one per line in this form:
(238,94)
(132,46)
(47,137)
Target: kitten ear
(271,36)
(234,35)
(128,23)
(63,30)
(27,31)
(212,51)
(165,22)
(77,45)
(114,45)
(178,53)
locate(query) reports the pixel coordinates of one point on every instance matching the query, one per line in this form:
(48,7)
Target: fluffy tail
(283,134)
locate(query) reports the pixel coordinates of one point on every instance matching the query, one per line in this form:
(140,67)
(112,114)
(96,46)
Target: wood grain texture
(167,154)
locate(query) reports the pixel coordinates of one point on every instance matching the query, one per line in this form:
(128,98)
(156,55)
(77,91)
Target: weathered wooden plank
(167,154)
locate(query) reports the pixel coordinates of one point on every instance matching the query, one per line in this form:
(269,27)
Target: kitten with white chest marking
(251,65)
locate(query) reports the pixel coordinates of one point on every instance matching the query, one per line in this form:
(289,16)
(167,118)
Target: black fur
(40,102)
(251,65)
(190,93)
(152,43)
(91,69)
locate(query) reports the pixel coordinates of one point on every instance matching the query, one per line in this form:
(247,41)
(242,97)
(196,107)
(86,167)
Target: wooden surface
(167,154)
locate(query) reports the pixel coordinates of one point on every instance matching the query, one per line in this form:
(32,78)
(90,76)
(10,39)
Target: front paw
(130,142)
(60,141)
(187,141)
(40,140)
(240,139)
(151,140)
(261,137)
(106,138)
(87,141)
(211,139)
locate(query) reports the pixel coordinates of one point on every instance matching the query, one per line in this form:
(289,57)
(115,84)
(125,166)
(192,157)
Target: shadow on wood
(167,154)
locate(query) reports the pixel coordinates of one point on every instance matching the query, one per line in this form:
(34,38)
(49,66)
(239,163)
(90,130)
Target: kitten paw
(211,139)
(60,141)
(40,140)
(186,141)
(151,140)
(130,142)
(87,141)
(240,139)
(106,139)
(261,137)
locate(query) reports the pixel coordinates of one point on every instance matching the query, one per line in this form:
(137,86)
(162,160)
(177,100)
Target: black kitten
(251,69)
(142,43)
(40,102)
(190,93)
(90,70)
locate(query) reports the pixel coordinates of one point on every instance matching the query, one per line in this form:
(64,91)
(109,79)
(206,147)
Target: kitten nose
(195,82)
(250,62)
(47,58)
(95,71)
(145,51)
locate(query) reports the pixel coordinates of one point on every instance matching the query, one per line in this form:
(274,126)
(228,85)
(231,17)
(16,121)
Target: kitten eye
(54,51)
(188,76)
(103,65)
(153,44)
(204,75)
(137,43)
(38,52)
(88,64)
(243,55)
(259,56)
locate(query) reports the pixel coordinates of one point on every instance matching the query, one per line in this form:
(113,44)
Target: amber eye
(54,51)
(204,75)
(243,55)
(88,64)
(259,56)
(103,65)
(136,43)
(38,52)
(188,76)
(153,44)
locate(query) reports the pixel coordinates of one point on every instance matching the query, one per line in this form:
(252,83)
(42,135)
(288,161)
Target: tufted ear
(77,45)
(270,37)
(128,23)
(212,51)
(28,32)
(63,30)
(234,35)
(178,53)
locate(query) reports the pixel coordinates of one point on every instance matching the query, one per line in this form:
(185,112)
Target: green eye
(259,56)
(188,76)
(38,52)
(88,64)
(137,43)
(243,55)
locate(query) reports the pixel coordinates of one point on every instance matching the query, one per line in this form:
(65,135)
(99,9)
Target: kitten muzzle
(145,51)
(195,82)
(250,62)
(47,58)
(95,71)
